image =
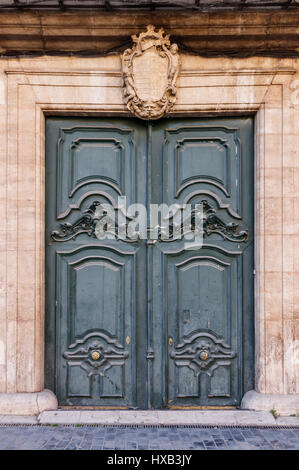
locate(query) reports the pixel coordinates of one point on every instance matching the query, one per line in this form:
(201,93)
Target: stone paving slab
(155,417)
(287,421)
(124,437)
(17,419)
(173,417)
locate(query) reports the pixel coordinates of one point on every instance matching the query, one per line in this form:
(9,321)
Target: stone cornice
(91,33)
(129,5)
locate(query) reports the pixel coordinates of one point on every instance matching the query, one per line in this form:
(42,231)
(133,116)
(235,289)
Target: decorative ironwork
(203,352)
(95,213)
(96,353)
(87,224)
(213,224)
(150,69)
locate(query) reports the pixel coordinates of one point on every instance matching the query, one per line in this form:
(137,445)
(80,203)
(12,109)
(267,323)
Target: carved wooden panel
(205,335)
(91,283)
(149,323)
(203,318)
(91,161)
(204,157)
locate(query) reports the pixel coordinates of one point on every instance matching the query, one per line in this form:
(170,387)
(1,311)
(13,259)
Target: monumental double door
(149,323)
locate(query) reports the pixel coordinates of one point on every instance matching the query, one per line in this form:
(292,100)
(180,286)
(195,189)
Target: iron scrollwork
(87,224)
(213,224)
(95,213)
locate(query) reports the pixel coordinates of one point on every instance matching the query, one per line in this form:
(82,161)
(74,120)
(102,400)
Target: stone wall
(31,88)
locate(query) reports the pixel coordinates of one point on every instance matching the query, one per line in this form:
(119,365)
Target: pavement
(123,437)
(166,430)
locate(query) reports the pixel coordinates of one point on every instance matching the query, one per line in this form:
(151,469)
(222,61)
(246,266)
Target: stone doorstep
(155,417)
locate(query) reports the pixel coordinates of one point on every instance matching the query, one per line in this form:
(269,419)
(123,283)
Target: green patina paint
(149,325)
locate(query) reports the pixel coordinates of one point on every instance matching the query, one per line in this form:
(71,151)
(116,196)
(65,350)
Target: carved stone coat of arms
(150,69)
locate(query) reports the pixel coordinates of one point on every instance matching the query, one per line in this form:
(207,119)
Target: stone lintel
(92,33)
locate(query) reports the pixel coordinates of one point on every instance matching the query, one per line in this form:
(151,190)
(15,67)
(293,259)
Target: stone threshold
(153,417)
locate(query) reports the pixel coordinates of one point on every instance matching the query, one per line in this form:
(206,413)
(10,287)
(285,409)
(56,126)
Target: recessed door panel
(202,317)
(93,159)
(202,157)
(94,317)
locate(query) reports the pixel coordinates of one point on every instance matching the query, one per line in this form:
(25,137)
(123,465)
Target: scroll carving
(203,352)
(96,353)
(150,70)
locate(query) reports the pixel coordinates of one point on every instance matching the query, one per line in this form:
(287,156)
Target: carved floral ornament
(150,69)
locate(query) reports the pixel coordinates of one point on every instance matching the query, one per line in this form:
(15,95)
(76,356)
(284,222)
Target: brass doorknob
(203,355)
(170,341)
(95,355)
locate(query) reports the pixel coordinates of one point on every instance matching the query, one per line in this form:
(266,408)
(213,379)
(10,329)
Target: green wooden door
(149,323)
(203,342)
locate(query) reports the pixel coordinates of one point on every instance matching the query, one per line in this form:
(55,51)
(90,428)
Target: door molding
(32,94)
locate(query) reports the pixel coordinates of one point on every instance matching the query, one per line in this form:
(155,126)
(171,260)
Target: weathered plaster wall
(31,88)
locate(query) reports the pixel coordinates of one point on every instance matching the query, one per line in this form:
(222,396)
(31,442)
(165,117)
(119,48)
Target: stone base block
(27,404)
(284,405)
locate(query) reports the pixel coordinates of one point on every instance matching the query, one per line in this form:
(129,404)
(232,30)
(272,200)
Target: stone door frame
(33,94)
